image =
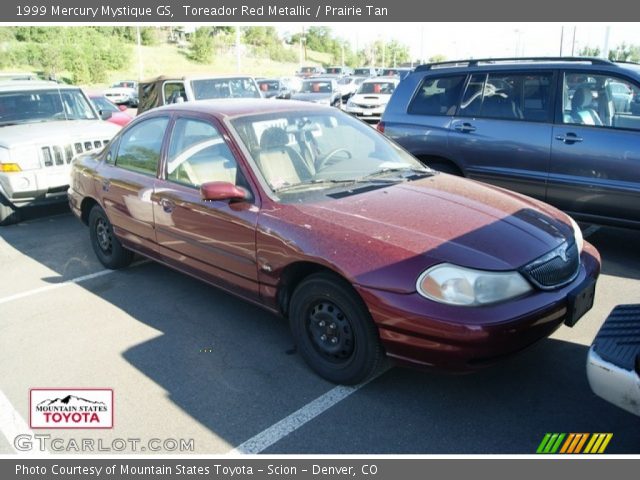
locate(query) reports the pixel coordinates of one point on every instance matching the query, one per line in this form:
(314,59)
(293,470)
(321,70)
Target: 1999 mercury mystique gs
(316,216)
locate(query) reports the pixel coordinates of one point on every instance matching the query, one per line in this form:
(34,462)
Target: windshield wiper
(384,171)
(310,183)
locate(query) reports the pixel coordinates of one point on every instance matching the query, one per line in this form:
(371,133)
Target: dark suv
(564,130)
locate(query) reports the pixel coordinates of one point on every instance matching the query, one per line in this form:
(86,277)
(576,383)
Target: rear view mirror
(104,115)
(222,191)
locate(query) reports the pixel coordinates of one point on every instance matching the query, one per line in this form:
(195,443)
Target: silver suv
(43,126)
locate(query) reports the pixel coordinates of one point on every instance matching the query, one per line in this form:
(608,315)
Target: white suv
(43,126)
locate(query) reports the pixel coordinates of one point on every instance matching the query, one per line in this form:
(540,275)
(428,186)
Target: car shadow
(618,248)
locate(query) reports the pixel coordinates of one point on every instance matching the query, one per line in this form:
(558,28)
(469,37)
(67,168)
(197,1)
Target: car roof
(239,107)
(21,85)
(183,78)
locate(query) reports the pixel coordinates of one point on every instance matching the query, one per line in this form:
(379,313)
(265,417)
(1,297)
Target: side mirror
(122,108)
(104,115)
(222,191)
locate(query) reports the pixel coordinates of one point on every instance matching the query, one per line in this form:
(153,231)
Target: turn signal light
(380,127)
(10,167)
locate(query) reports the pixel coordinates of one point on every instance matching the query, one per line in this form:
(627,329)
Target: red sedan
(110,112)
(314,215)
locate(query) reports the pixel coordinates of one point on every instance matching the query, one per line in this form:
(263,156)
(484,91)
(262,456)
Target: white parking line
(12,425)
(55,286)
(590,231)
(297,419)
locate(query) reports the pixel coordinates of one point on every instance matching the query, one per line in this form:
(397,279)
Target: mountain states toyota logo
(71,408)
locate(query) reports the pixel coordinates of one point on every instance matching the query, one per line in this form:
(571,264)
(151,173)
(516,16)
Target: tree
(201,45)
(588,51)
(624,52)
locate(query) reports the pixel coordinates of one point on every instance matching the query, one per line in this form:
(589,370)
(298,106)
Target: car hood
(312,97)
(57,132)
(405,228)
(371,98)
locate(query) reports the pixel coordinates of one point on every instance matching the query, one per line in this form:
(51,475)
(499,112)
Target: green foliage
(589,52)
(201,45)
(438,57)
(624,52)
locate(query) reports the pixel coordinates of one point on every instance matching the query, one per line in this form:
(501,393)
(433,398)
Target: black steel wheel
(105,244)
(333,330)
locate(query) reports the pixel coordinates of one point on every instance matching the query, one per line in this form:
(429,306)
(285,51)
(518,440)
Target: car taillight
(10,167)
(380,127)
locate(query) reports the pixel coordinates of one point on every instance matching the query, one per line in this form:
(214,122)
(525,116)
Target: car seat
(582,111)
(280,164)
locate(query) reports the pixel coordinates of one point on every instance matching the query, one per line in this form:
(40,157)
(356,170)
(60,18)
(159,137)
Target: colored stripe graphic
(574,443)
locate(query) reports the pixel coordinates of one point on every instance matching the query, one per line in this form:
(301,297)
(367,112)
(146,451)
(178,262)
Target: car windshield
(303,152)
(241,87)
(361,71)
(334,70)
(269,85)
(308,69)
(124,85)
(103,104)
(345,81)
(44,106)
(381,88)
(316,86)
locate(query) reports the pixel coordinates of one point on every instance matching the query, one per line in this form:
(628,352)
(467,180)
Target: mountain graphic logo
(69,400)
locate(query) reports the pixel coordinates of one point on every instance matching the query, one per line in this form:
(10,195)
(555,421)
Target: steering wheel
(324,161)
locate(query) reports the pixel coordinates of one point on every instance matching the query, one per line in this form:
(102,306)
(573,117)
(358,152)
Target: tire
(106,246)
(8,214)
(333,330)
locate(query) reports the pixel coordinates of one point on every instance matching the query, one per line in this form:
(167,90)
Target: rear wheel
(445,167)
(333,330)
(8,214)
(107,247)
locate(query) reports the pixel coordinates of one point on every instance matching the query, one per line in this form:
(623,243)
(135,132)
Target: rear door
(502,130)
(129,174)
(595,160)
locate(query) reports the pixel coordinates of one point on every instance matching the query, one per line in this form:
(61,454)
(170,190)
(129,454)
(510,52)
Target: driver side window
(199,154)
(174,92)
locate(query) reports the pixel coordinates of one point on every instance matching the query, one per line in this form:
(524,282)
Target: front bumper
(365,113)
(420,332)
(35,186)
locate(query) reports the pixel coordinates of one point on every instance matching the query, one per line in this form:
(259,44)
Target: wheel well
(291,277)
(435,160)
(85,209)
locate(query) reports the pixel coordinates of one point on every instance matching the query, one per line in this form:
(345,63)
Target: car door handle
(167,205)
(569,138)
(464,127)
(106,184)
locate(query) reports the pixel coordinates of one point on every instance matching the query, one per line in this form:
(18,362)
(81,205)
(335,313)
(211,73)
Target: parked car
(320,90)
(4,76)
(372,97)
(293,84)
(315,216)
(43,126)
(553,129)
(123,93)
(109,111)
(273,88)
(310,71)
(166,90)
(613,363)
(365,72)
(338,71)
(348,86)
(400,72)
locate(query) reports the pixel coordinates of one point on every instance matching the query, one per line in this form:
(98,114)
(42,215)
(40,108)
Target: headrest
(274,137)
(581,98)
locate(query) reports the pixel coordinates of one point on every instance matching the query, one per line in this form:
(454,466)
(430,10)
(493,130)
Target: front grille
(555,269)
(59,155)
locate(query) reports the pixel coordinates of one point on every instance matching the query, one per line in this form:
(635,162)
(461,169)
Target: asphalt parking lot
(187,361)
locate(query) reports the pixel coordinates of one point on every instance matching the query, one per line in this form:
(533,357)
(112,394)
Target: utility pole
(139,48)
(561,39)
(605,47)
(238,56)
(573,43)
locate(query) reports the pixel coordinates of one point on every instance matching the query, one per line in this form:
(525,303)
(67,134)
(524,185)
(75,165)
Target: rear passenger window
(199,154)
(437,96)
(140,146)
(508,97)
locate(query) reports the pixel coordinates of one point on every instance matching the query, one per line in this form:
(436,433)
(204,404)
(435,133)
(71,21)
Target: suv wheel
(107,247)
(333,330)
(8,214)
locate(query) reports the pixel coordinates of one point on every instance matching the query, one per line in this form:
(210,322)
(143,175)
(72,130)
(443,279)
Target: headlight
(453,285)
(577,234)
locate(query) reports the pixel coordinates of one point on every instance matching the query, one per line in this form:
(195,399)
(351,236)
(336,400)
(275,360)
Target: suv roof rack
(475,61)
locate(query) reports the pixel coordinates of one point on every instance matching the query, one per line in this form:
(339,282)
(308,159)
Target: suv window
(198,154)
(601,101)
(508,96)
(437,96)
(140,146)
(172,91)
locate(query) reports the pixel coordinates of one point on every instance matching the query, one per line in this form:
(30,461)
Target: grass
(170,59)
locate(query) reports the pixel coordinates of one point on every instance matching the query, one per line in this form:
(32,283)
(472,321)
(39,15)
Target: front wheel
(107,247)
(333,330)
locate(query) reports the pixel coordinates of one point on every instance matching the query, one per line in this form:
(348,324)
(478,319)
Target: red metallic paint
(380,241)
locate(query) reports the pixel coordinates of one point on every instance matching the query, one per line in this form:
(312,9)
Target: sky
(465,40)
